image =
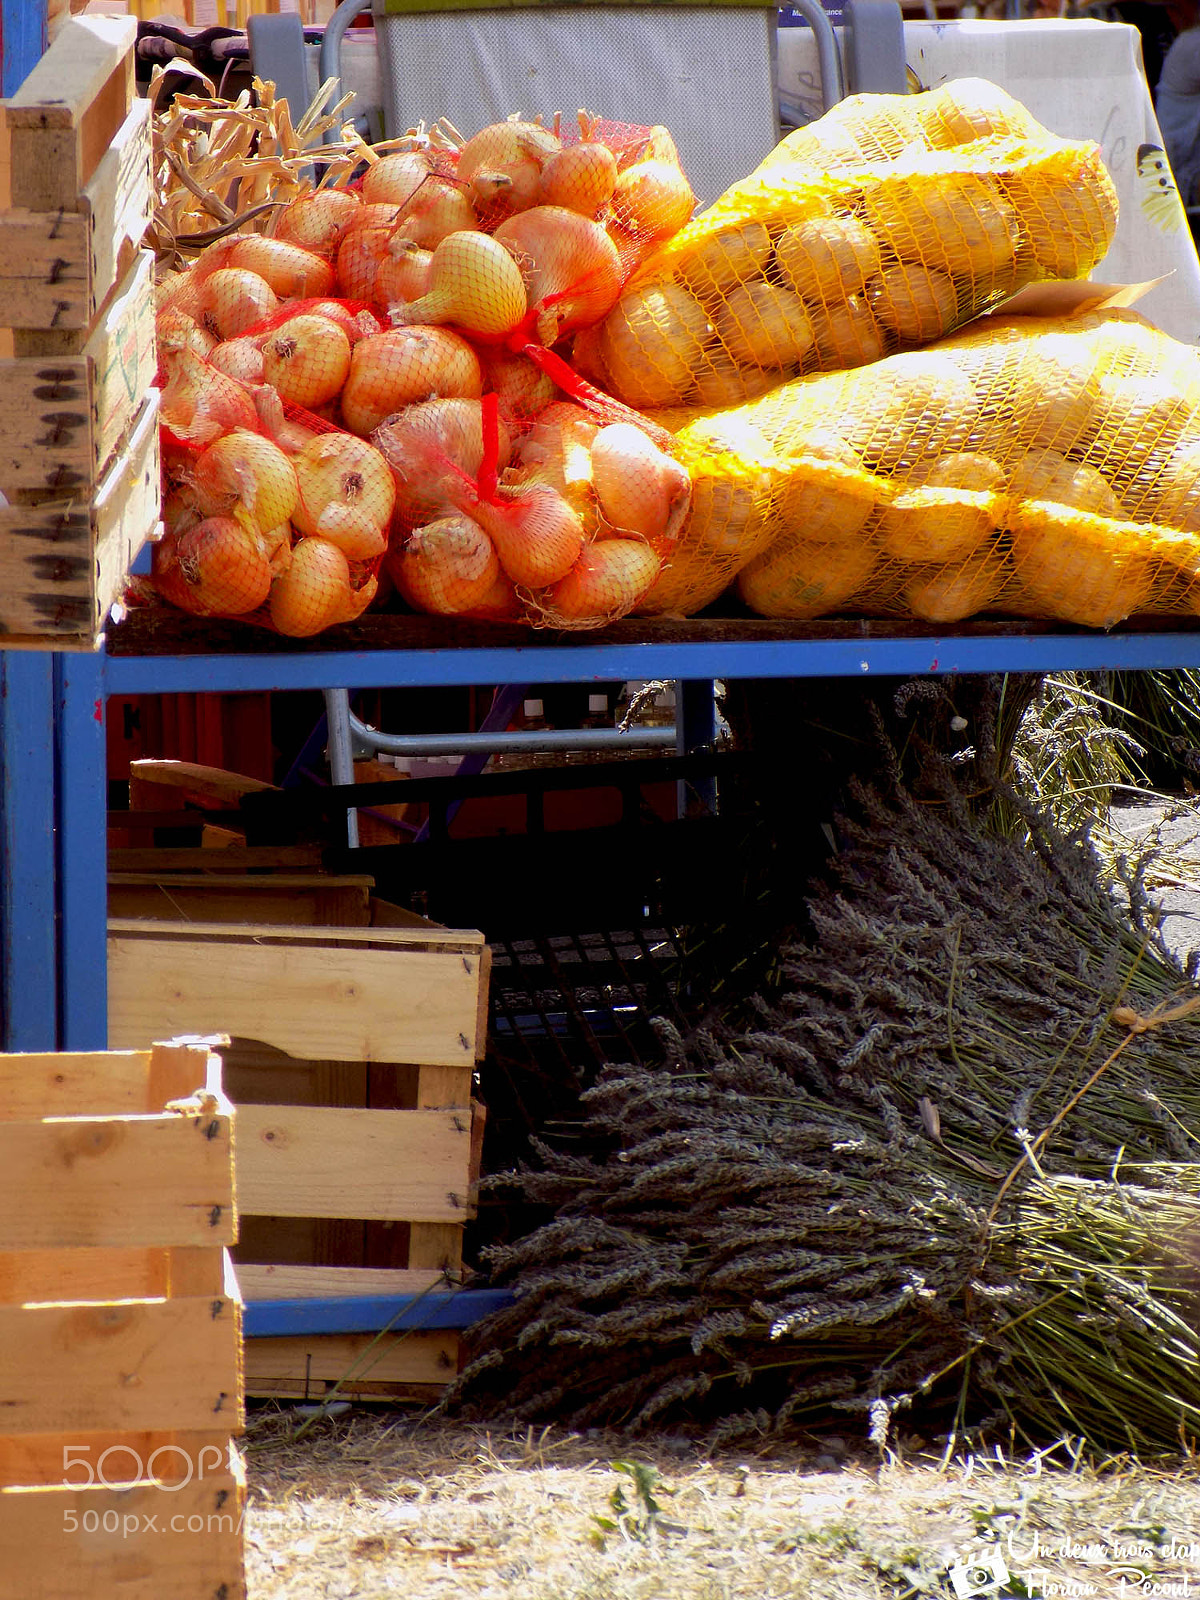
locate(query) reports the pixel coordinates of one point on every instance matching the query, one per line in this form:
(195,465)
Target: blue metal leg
(82,866)
(22,41)
(28,927)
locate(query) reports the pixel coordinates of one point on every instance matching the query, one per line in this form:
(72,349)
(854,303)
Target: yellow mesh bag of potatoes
(1027,466)
(883,226)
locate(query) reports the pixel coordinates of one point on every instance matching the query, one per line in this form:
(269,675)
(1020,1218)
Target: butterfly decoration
(1156,188)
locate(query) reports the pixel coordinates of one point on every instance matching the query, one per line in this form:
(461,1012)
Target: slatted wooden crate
(120,1346)
(359,1144)
(79,463)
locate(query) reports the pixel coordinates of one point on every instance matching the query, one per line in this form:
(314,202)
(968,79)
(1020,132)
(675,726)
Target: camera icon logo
(979,1572)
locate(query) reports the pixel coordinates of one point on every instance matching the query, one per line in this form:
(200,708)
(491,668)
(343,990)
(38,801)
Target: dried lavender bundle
(818,1209)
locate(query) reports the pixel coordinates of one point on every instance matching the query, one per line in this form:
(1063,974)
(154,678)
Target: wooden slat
(68,110)
(311,902)
(118,200)
(45,270)
(183,1069)
(439,1088)
(122,357)
(300,1366)
(149,1180)
(44,1275)
(317,1161)
(436,1247)
(75,1084)
(144,1542)
(140,1364)
(62,565)
(258,1282)
(348,994)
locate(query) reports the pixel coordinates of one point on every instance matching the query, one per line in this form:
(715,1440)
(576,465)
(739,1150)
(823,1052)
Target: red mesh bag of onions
(563,520)
(271,513)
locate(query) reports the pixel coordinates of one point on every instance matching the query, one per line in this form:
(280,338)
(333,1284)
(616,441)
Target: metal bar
(736,658)
(28,913)
(369,1313)
(341,755)
(501,741)
(829,62)
(499,714)
(22,41)
(697,724)
(330,56)
(81,779)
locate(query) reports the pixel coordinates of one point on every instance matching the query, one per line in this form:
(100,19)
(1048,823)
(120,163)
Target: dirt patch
(373,1505)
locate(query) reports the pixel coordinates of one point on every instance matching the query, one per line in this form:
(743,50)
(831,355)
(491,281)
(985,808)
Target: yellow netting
(1036,467)
(888,223)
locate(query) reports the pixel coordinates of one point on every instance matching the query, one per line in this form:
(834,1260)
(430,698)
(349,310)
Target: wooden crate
(359,1144)
(79,466)
(120,1328)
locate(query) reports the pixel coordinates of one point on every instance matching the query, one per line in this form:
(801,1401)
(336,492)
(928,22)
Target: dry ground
(383,1505)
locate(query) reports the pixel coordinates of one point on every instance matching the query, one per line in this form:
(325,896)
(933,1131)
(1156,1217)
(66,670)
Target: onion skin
(653,199)
(239,358)
(293,273)
(316,591)
(198,402)
(246,477)
(216,569)
(570,266)
(446,567)
(403,366)
(438,209)
(341,470)
(582,177)
(607,581)
(184,329)
(395,178)
(639,486)
(317,221)
(523,388)
(435,451)
(537,534)
(474,283)
(502,164)
(234,299)
(403,274)
(307,360)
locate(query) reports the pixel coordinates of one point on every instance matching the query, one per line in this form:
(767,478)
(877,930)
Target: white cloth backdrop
(1082,80)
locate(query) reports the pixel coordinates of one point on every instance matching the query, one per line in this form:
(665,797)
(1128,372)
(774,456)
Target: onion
(437,209)
(178,324)
(341,472)
(396,369)
(582,177)
(178,291)
(764,326)
(216,569)
(721,382)
(523,388)
(639,486)
(199,403)
(447,567)
(793,578)
(234,299)
(291,437)
(558,451)
(570,266)
(307,360)
(652,340)
(362,250)
(436,451)
(948,594)
(395,178)
(653,199)
(537,534)
(239,358)
(403,273)
(293,273)
(502,164)
(277,547)
(318,221)
(847,335)
(500,604)
(245,476)
(355,325)
(950,509)
(473,283)
(350,528)
(316,591)
(607,581)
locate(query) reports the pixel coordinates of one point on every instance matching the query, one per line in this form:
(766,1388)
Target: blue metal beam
(267,1319)
(792,658)
(28,920)
(22,41)
(82,791)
